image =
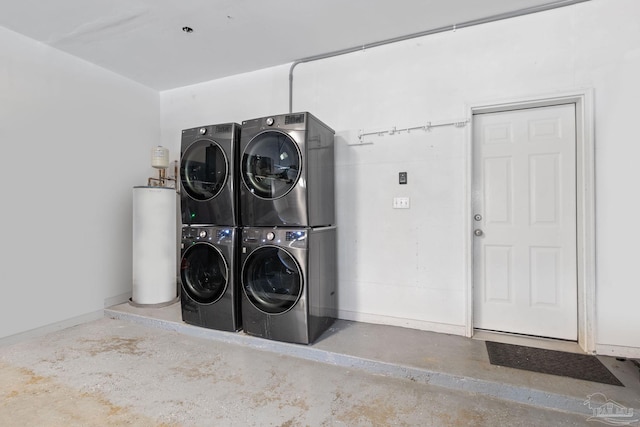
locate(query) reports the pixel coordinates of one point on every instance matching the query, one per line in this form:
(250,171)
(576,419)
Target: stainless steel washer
(210,293)
(287,171)
(288,282)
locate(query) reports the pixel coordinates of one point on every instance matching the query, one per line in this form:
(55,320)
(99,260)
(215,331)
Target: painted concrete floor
(144,367)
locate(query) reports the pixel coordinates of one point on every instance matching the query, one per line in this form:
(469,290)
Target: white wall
(407,267)
(75,140)
(237,98)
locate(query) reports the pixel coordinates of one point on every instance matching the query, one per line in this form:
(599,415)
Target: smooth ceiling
(144,41)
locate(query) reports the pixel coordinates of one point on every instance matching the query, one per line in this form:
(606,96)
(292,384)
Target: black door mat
(573,365)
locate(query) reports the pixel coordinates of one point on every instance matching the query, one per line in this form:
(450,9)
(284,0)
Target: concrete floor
(145,367)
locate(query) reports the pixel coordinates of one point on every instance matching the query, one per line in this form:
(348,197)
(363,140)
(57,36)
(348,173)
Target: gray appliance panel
(209,180)
(314,252)
(205,250)
(311,200)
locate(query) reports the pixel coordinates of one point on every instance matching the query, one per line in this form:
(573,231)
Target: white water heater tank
(154,245)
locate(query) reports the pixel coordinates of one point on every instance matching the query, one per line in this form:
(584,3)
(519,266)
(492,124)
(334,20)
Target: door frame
(585,202)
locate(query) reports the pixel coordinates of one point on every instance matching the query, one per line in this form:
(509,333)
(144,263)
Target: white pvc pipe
(526,11)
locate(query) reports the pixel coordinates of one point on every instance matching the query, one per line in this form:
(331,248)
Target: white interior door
(524,205)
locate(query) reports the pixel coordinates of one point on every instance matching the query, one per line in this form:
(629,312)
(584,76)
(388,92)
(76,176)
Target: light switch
(401,203)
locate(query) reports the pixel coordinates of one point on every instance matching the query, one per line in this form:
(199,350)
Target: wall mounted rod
(492,18)
(394,130)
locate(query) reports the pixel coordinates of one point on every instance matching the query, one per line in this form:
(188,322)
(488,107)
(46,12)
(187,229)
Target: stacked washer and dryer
(289,237)
(276,264)
(210,220)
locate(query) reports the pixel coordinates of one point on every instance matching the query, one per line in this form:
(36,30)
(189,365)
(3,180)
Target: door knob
(478,232)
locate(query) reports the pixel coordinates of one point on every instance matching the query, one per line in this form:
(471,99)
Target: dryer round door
(204,168)
(271,164)
(204,273)
(272,280)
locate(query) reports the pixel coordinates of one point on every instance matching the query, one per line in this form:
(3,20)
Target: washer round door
(271,164)
(204,273)
(204,168)
(272,280)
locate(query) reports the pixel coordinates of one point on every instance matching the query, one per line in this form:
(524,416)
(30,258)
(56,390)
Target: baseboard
(118,299)
(53,327)
(618,351)
(422,325)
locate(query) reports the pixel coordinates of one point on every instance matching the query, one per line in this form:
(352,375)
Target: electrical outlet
(401,203)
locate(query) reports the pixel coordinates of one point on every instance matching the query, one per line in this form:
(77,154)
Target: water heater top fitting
(160,157)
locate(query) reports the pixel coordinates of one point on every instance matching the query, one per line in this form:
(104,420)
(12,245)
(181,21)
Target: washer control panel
(294,235)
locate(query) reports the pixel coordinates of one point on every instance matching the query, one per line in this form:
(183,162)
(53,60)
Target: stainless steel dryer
(288,282)
(209,194)
(287,170)
(210,292)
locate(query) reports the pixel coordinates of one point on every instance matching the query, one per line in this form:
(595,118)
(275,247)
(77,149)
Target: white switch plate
(401,203)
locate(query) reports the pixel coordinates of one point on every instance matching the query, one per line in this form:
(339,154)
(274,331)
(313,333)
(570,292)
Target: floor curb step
(513,393)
